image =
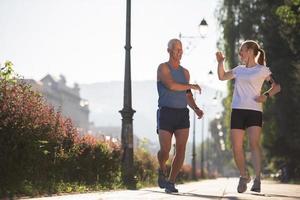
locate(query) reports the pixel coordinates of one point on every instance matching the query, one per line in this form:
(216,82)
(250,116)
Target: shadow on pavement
(195,195)
(276,195)
(208,196)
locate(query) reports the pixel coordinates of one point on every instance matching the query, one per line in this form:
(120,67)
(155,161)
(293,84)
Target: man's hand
(261,99)
(196,87)
(199,113)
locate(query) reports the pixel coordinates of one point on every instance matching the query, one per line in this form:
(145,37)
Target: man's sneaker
(242,187)
(161,179)
(256,185)
(170,187)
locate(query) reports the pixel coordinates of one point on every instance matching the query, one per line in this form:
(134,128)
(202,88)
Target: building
(65,99)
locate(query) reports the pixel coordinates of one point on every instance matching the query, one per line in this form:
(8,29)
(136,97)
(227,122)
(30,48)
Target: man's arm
(164,75)
(191,102)
(190,99)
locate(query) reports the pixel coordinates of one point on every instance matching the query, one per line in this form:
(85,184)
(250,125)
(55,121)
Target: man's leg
(165,140)
(181,137)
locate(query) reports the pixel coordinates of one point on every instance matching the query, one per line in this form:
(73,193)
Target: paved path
(221,188)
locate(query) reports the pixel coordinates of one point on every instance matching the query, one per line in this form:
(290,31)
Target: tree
(275,25)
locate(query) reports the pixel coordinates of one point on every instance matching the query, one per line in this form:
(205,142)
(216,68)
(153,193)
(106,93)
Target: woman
(246,105)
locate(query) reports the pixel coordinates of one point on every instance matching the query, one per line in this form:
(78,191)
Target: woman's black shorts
(172,119)
(242,118)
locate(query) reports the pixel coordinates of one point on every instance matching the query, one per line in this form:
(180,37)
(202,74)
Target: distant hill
(106,99)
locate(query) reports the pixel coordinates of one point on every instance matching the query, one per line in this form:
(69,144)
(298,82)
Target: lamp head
(203,28)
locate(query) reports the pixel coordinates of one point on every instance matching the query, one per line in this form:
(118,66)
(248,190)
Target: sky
(84,39)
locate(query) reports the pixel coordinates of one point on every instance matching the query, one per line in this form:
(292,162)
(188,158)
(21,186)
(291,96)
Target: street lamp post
(208,155)
(127,112)
(202,27)
(202,148)
(194,145)
(208,136)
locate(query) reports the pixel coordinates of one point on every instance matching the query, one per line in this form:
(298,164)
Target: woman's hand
(261,99)
(220,57)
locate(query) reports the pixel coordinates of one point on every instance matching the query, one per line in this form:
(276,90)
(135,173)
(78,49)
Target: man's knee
(180,150)
(164,152)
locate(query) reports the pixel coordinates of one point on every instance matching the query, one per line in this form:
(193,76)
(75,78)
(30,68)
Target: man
(175,94)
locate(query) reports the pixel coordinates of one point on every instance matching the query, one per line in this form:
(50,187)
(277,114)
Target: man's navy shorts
(242,118)
(172,119)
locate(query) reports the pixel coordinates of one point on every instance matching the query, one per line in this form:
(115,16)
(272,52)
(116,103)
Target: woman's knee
(254,146)
(237,147)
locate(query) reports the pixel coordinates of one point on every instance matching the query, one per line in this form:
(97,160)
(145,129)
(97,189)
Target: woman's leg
(254,137)
(237,140)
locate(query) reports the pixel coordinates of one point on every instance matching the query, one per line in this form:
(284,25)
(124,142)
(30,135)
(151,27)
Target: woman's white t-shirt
(247,86)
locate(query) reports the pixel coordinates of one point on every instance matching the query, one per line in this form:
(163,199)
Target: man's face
(176,51)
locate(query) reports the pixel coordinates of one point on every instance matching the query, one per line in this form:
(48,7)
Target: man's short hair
(172,42)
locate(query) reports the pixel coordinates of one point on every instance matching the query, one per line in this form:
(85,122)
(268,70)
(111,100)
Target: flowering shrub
(39,148)
(32,137)
(97,162)
(146,166)
(42,152)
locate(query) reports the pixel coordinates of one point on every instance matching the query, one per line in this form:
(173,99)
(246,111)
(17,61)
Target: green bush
(97,162)
(40,149)
(42,152)
(145,166)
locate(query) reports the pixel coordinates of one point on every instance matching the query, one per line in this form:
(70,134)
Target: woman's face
(244,54)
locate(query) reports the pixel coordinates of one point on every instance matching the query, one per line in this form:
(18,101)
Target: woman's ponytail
(262,58)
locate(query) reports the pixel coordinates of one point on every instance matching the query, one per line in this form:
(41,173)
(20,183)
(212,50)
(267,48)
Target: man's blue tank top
(169,98)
